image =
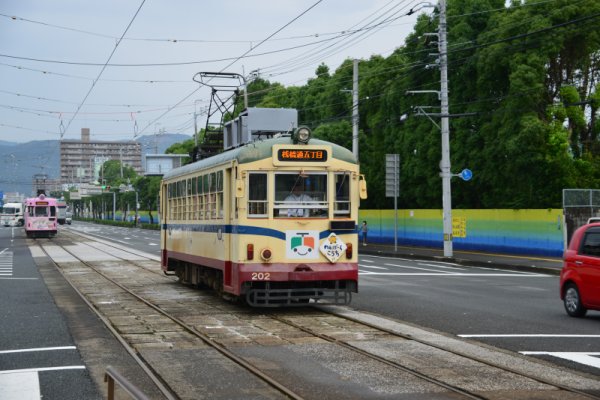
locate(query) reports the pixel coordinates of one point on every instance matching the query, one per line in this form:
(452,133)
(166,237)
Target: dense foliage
(524,100)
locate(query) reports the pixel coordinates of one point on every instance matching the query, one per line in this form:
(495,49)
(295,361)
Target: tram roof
(254,151)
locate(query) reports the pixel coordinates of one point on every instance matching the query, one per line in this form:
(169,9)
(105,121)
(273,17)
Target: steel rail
(157,381)
(465,355)
(383,360)
(206,339)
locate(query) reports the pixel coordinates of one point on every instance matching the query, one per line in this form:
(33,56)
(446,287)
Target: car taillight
(250,251)
(348,250)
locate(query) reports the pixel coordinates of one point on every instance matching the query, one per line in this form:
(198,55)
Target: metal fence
(581,198)
(578,206)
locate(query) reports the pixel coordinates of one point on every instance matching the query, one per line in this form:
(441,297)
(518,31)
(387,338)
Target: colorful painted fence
(534,232)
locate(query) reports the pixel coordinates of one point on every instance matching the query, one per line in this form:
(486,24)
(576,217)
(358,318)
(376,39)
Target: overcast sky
(53,79)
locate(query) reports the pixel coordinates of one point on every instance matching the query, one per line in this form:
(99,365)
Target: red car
(580,275)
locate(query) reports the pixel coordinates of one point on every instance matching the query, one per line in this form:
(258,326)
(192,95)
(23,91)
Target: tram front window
(41,211)
(300,195)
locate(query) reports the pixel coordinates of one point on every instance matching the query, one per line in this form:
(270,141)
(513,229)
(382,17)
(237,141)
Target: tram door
(164,220)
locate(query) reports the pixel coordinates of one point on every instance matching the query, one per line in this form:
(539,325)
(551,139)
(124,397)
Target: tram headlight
(302,135)
(266,254)
(348,250)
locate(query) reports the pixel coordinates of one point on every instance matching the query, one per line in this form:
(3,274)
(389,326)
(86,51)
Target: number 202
(261,276)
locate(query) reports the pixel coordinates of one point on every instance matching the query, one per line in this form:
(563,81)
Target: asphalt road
(500,305)
(513,310)
(37,354)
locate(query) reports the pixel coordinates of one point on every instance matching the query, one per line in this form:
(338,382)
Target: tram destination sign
(285,155)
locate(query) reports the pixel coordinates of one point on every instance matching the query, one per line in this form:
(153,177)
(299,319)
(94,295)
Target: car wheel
(572,301)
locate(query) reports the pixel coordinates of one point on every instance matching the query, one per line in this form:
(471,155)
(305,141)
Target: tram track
(317,323)
(167,390)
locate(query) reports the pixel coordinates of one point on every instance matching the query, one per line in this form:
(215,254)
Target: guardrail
(111,376)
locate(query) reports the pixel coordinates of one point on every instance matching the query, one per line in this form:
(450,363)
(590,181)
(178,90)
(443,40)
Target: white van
(12,214)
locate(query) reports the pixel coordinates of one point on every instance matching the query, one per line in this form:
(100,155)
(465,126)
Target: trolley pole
(445,127)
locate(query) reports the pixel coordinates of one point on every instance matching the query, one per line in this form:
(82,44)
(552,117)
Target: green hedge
(126,224)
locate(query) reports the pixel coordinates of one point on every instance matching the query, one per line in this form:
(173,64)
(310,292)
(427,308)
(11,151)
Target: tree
(524,99)
(115,174)
(148,188)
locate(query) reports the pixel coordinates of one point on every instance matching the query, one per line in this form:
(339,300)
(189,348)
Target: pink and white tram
(40,216)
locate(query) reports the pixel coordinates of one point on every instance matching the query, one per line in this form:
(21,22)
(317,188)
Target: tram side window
(212,197)
(206,196)
(173,200)
(189,201)
(201,196)
(342,195)
(220,194)
(257,194)
(180,198)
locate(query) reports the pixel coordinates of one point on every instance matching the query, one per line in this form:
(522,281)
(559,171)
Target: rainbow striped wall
(534,232)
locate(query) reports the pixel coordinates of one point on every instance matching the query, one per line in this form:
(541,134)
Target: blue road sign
(466,174)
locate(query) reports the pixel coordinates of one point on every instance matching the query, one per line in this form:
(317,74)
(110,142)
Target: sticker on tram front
(333,247)
(302,244)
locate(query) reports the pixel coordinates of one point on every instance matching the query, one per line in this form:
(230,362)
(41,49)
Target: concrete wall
(533,232)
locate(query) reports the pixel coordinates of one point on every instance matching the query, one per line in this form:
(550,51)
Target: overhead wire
(240,57)
(103,68)
(305,58)
(481,12)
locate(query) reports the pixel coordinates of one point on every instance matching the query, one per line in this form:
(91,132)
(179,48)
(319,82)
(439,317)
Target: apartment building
(81,160)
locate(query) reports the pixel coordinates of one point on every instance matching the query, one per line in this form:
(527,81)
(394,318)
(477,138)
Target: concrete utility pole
(445,172)
(445,125)
(355,109)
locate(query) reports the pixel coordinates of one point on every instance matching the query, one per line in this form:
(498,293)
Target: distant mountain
(19,162)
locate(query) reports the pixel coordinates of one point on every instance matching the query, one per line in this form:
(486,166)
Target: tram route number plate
(302,155)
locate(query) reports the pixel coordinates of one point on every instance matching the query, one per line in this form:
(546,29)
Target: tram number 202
(261,276)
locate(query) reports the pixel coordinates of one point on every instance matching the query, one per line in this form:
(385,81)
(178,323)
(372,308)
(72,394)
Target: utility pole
(445,125)
(445,172)
(355,109)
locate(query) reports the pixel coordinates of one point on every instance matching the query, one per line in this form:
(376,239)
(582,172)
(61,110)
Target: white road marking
(578,357)
(457,274)
(411,267)
(441,266)
(152,244)
(66,367)
(535,335)
(38,349)
(6,263)
(18,279)
(20,386)
(370,266)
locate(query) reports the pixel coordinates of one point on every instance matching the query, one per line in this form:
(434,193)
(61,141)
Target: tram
(40,216)
(273,221)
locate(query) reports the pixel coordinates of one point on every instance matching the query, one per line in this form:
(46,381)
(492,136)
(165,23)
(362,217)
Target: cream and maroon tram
(273,221)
